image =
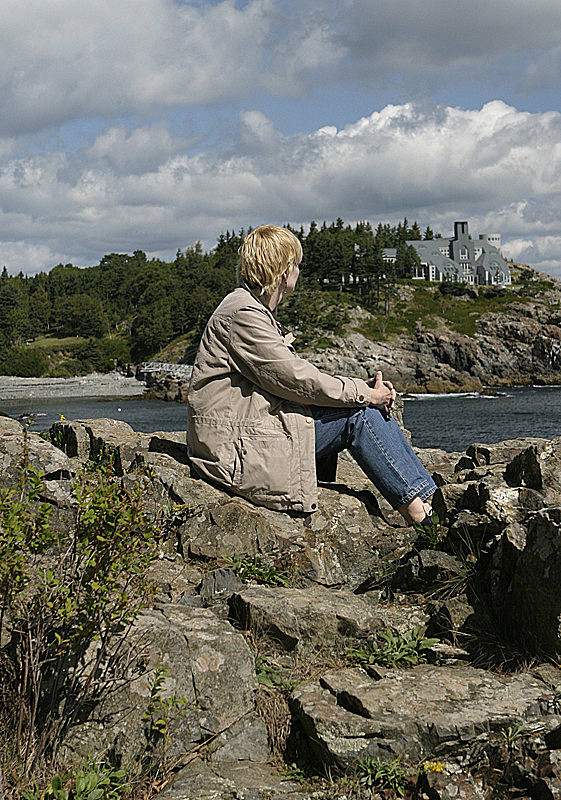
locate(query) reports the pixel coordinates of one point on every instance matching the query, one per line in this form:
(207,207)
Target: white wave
(429,396)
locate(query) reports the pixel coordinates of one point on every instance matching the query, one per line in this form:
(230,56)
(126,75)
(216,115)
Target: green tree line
(128,307)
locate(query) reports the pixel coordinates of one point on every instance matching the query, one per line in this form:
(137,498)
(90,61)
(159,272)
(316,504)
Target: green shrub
(253,569)
(26,361)
(392,649)
(59,596)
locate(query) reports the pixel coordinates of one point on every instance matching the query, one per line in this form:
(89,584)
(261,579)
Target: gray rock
(232,528)
(42,455)
(449,619)
(206,662)
(538,467)
(427,569)
(312,618)
(423,712)
(527,601)
(9,425)
(172,444)
(500,452)
(316,618)
(175,580)
(228,780)
(219,585)
(443,786)
(245,740)
(96,438)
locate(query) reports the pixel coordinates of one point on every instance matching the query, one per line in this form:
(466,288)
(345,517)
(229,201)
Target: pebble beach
(111,384)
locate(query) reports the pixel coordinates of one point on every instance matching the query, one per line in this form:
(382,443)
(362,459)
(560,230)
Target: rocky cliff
(519,347)
(288,672)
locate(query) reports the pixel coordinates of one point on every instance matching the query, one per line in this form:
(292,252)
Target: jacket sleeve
(260,354)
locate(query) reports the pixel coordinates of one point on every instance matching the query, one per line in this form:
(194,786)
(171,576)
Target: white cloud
(64,60)
(28,258)
(541,252)
(497,167)
(141,150)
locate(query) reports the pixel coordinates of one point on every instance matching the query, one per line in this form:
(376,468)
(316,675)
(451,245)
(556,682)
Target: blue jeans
(379,447)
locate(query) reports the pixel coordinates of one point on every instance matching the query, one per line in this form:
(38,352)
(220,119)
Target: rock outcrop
(166,382)
(523,347)
(269,668)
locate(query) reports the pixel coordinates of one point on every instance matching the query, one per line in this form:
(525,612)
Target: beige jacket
(249,425)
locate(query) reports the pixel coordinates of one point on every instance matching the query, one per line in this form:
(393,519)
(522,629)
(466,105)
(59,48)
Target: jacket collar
(282,329)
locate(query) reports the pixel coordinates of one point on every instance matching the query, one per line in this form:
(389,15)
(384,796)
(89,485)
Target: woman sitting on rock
(260,416)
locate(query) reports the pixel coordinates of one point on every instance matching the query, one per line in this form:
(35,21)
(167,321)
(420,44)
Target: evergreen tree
(415,232)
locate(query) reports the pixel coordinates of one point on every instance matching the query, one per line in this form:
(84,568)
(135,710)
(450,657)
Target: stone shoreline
(112,384)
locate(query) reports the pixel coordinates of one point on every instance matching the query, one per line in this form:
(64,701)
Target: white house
(461,259)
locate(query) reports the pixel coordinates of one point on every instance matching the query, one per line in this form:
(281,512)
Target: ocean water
(451,422)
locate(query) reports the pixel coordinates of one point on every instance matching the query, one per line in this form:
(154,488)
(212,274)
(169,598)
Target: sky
(154,124)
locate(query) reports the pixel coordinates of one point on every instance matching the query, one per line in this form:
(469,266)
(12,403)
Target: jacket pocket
(262,465)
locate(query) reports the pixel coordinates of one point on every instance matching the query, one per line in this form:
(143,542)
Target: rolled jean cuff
(424,490)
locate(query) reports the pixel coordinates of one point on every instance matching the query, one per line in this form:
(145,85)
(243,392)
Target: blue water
(451,422)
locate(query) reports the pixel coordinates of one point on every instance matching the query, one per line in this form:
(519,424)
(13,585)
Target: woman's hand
(382,394)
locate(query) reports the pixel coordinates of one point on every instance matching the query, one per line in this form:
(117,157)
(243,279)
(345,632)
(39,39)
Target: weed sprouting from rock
(254,569)
(392,649)
(513,734)
(430,533)
(381,774)
(163,710)
(91,782)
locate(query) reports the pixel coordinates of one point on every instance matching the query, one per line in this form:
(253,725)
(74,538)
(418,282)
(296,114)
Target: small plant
(432,766)
(161,711)
(430,533)
(267,675)
(254,570)
(393,649)
(379,773)
(513,734)
(295,773)
(92,782)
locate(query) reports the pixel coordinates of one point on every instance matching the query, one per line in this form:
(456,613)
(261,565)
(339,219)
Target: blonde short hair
(265,254)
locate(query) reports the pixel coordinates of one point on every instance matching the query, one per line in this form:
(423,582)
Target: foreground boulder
(315,618)
(228,780)
(419,713)
(15,442)
(505,515)
(526,573)
(205,667)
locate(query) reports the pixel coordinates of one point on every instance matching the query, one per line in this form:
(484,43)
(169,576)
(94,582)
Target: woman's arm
(260,354)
